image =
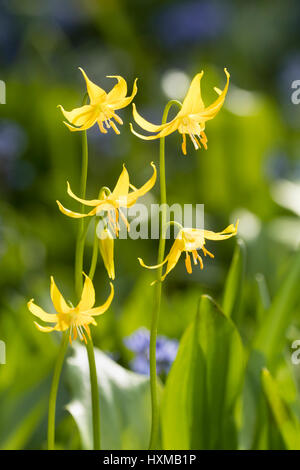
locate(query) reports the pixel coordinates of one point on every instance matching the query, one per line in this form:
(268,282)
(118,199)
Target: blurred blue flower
(14,172)
(11,31)
(191,21)
(68,14)
(277,165)
(140,365)
(12,140)
(139,342)
(289,71)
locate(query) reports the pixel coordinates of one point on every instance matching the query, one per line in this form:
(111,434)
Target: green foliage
(198,410)
(269,338)
(287,422)
(253,145)
(234,282)
(124,402)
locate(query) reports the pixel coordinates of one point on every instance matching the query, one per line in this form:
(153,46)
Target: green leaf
(234,282)
(124,402)
(204,383)
(263,297)
(24,430)
(270,337)
(288,424)
(263,291)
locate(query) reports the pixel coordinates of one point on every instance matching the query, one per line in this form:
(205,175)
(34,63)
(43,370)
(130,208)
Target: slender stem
(92,362)
(82,224)
(94,394)
(78,288)
(54,388)
(94,254)
(161,252)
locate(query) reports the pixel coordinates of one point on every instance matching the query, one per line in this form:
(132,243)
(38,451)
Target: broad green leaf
(203,385)
(270,337)
(234,282)
(285,419)
(124,402)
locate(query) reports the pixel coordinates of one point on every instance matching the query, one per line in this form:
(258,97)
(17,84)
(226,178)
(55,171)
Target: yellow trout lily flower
(76,319)
(106,247)
(112,203)
(101,108)
(190,120)
(190,240)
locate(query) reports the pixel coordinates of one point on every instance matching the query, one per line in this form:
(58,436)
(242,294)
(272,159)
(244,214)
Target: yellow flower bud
(106,246)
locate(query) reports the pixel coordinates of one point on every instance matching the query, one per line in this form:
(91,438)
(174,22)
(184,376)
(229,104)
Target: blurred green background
(251,169)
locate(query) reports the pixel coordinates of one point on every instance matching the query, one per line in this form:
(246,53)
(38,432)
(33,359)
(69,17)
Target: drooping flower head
(76,319)
(121,197)
(191,118)
(101,108)
(190,240)
(106,247)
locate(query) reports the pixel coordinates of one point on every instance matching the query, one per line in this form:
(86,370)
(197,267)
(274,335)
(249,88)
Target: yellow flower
(106,246)
(112,203)
(76,318)
(190,240)
(190,119)
(102,106)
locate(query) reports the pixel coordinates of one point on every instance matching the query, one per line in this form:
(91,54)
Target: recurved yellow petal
(228,232)
(193,102)
(79,116)
(119,91)
(211,111)
(144,124)
(88,295)
(47,329)
(92,202)
(166,130)
(95,93)
(122,187)
(132,197)
(89,123)
(173,257)
(75,215)
(155,266)
(126,101)
(57,298)
(40,313)
(102,309)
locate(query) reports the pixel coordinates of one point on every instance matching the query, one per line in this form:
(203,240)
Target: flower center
(106,115)
(76,329)
(191,127)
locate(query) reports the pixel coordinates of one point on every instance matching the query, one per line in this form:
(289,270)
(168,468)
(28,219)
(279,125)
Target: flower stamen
(188,264)
(114,127)
(193,139)
(183,145)
(101,127)
(206,252)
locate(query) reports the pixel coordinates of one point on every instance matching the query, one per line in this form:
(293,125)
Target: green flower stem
(94,394)
(161,253)
(91,357)
(82,223)
(54,388)
(78,288)
(94,254)
(104,191)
